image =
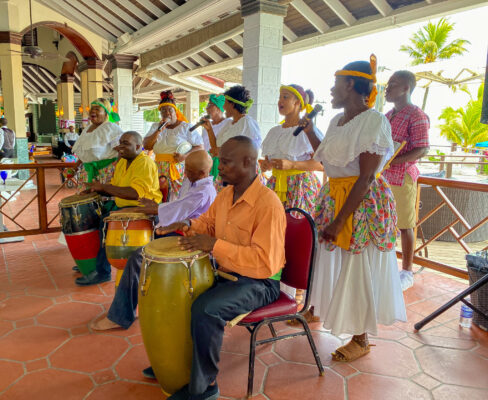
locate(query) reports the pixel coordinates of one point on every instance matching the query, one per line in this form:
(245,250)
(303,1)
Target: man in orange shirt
(245,230)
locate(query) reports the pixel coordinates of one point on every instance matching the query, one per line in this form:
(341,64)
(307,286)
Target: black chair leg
(272,329)
(252,357)
(312,344)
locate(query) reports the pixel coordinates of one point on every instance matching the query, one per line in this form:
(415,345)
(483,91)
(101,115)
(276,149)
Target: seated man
(195,197)
(245,230)
(135,177)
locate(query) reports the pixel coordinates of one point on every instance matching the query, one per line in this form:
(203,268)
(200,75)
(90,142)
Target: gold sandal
(309,317)
(351,351)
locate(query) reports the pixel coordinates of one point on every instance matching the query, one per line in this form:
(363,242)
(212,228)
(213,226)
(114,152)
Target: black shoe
(76,269)
(182,394)
(148,373)
(212,393)
(92,279)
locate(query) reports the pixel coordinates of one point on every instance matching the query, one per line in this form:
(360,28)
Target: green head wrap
(247,105)
(218,101)
(112,115)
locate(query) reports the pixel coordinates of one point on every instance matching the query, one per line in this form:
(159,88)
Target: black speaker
(484,108)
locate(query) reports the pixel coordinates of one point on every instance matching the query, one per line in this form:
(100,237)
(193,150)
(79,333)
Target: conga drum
(80,220)
(126,232)
(171,279)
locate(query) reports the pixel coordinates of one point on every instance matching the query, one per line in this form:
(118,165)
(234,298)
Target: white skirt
(352,293)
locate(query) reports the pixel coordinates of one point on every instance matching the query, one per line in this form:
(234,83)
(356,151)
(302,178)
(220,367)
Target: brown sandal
(309,317)
(351,351)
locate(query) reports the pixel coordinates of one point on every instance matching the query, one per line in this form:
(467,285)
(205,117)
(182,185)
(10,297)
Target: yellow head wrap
(304,106)
(371,77)
(179,115)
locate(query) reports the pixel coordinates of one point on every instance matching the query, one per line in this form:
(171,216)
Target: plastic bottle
(466,317)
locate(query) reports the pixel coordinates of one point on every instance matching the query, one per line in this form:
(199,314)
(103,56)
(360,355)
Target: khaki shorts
(405,199)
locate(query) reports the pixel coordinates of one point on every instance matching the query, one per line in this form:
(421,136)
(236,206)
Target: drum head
(167,248)
(126,216)
(184,148)
(79,199)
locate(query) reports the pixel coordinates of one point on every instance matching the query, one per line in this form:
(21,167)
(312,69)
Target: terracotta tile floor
(47,350)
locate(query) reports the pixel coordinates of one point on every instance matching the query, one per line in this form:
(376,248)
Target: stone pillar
(263,48)
(59,103)
(91,78)
(192,107)
(67,101)
(122,66)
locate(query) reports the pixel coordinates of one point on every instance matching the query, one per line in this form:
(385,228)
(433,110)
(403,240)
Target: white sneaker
(406,279)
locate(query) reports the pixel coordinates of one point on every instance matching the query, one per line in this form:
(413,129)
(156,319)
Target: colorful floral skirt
(374,221)
(104,175)
(303,190)
(174,185)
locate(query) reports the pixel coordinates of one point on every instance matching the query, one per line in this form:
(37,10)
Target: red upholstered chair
(300,246)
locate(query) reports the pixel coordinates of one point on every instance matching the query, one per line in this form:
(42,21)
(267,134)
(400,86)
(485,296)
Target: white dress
(217,128)
(353,293)
(98,144)
(246,126)
(170,139)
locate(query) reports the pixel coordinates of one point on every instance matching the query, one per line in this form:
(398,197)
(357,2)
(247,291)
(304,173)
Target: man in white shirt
(70,137)
(7,140)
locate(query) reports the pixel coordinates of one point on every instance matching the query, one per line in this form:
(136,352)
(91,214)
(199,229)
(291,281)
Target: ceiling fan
(35,52)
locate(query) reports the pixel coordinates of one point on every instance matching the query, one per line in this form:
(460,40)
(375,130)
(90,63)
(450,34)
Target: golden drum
(171,279)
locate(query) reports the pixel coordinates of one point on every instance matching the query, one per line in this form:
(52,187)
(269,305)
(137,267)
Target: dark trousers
(209,315)
(123,308)
(103,267)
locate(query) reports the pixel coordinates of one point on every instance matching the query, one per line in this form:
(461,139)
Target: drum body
(80,221)
(126,232)
(171,279)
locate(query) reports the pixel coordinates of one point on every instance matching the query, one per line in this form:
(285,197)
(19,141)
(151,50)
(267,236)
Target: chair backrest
(300,246)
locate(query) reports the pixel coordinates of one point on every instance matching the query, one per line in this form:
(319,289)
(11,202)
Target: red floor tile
(23,307)
(89,353)
(127,391)
(449,392)
(69,315)
(131,366)
(9,372)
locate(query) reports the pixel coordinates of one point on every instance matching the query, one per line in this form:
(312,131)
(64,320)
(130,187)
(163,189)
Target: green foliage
(152,115)
(463,126)
(429,43)
(437,158)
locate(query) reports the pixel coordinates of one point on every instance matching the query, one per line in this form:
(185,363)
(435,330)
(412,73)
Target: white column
(192,108)
(263,48)
(122,80)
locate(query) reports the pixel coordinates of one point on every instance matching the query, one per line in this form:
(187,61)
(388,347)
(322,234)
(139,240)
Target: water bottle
(466,317)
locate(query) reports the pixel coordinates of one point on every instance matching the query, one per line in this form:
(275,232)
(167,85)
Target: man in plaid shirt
(410,124)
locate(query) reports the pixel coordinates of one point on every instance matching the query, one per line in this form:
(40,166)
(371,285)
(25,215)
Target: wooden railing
(437,184)
(37,175)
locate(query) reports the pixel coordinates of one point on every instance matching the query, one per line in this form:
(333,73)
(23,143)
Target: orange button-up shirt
(250,233)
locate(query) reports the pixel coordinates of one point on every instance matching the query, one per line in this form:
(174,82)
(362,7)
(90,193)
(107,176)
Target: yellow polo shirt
(142,176)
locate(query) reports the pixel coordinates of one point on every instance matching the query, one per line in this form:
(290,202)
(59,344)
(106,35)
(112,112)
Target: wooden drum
(171,279)
(80,220)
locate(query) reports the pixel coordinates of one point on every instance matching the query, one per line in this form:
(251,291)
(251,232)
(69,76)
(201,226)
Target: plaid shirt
(412,125)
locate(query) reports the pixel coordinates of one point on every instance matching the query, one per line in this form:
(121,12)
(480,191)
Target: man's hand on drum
(198,242)
(93,187)
(177,226)
(148,206)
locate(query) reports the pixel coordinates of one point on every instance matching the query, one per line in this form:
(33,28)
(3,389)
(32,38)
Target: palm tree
(429,44)
(463,126)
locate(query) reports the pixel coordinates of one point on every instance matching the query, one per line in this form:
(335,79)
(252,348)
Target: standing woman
(95,146)
(164,142)
(291,157)
(357,285)
(237,102)
(217,121)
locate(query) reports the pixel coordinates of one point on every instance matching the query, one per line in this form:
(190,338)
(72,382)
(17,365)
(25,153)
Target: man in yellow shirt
(135,177)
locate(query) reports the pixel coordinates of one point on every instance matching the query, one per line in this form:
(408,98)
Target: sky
(322,62)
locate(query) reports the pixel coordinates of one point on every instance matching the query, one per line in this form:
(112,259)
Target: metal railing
(438,184)
(37,175)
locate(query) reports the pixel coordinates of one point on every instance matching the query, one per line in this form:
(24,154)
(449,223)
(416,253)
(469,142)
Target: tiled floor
(47,350)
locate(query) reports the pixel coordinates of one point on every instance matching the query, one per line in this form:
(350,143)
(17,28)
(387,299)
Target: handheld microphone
(312,114)
(162,124)
(199,123)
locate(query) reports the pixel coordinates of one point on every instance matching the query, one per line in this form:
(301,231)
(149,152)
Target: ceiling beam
(175,65)
(155,88)
(187,63)
(341,11)
(169,3)
(136,11)
(289,34)
(151,7)
(122,19)
(227,49)
(382,6)
(213,55)
(39,74)
(307,13)
(239,40)
(199,59)
(177,22)
(37,82)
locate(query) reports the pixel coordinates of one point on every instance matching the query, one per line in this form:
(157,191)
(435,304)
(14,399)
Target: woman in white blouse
(356,283)
(165,141)
(237,103)
(95,147)
(291,157)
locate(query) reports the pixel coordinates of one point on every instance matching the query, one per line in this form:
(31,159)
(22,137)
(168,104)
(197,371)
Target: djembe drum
(171,279)
(80,220)
(126,232)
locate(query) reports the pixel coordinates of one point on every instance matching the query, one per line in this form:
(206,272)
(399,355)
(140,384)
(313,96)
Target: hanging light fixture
(80,109)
